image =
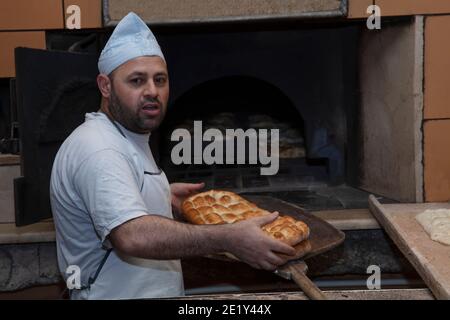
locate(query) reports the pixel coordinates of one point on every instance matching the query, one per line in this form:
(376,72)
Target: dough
(437,224)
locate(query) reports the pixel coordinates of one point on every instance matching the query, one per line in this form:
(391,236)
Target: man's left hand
(180,191)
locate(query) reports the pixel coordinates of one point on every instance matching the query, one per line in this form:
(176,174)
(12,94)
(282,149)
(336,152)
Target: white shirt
(98,183)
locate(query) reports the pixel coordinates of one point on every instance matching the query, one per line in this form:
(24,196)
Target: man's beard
(130,118)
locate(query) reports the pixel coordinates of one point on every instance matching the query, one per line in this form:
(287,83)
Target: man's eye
(136,81)
(160,80)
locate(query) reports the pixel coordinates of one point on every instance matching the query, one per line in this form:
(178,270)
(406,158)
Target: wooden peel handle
(308,287)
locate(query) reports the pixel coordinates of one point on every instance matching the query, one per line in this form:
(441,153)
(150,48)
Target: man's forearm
(155,237)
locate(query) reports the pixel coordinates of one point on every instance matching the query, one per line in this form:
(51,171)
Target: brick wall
(23,24)
(437,109)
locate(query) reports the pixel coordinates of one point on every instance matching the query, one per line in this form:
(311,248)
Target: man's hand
(180,191)
(249,243)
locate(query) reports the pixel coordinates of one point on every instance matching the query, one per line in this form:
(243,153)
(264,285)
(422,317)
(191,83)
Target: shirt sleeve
(109,189)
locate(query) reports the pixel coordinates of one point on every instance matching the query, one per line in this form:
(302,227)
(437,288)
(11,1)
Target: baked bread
(219,207)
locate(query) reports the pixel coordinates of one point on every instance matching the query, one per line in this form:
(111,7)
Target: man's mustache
(151,100)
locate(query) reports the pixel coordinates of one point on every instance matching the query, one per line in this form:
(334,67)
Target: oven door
(54,91)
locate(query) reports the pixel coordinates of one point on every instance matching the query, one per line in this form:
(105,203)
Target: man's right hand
(248,242)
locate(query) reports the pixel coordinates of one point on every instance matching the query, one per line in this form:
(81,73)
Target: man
(112,205)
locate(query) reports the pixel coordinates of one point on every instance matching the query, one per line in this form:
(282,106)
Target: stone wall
(28,265)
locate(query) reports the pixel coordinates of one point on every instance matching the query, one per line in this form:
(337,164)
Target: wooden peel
(297,271)
(323,237)
(293,270)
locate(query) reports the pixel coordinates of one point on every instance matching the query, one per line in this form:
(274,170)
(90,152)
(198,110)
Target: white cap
(131,38)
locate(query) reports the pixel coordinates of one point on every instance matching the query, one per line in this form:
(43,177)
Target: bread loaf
(219,207)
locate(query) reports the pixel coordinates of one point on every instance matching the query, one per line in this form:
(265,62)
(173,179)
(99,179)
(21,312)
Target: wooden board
(382,294)
(430,259)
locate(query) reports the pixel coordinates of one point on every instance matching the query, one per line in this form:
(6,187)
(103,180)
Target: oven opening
(261,80)
(250,104)
(310,162)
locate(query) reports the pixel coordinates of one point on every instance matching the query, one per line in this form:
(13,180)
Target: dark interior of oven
(247,103)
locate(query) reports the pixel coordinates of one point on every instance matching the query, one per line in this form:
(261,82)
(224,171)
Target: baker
(112,205)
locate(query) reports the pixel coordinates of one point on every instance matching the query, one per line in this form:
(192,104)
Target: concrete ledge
(38,232)
(387,294)
(28,265)
(353,219)
(349,219)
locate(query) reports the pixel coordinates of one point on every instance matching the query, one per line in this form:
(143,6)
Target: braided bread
(219,207)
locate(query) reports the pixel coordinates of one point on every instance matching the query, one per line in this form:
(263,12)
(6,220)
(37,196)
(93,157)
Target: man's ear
(104,85)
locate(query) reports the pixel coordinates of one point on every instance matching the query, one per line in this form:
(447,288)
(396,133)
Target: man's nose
(150,89)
